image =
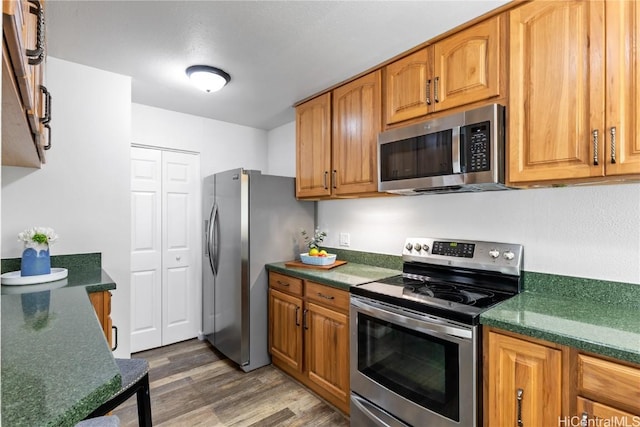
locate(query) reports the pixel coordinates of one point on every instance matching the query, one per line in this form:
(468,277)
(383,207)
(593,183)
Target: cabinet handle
(519,394)
(595,147)
(48,146)
(613,145)
(47,105)
(115,328)
(47,115)
(281,283)
(304,319)
(584,420)
(329,297)
(36,56)
(297,311)
(324,184)
(334,178)
(436,83)
(429,92)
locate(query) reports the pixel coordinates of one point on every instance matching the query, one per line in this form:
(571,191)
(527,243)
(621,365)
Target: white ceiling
(277,52)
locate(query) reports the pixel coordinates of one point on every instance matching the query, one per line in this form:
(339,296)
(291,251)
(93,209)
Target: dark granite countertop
(56,364)
(342,277)
(594,316)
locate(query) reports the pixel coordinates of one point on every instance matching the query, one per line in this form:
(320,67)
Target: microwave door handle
(455,149)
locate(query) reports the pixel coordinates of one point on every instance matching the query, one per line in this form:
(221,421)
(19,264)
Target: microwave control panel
(477,147)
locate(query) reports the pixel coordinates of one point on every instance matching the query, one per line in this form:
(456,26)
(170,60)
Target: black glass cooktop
(457,301)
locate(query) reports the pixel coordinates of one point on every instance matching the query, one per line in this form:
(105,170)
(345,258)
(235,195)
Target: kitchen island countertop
(56,364)
(342,277)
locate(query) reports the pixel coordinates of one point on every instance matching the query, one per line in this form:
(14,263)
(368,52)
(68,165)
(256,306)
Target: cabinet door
(356,124)
(285,329)
(524,382)
(622,130)
(556,92)
(468,65)
(407,87)
(327,350)
(101,302)
(313,147)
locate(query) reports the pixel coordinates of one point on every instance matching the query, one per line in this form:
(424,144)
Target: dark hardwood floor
(194,385)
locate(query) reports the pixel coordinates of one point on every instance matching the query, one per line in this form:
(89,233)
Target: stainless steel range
(415,339)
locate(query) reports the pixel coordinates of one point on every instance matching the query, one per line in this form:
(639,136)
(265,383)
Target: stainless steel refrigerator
(250,220)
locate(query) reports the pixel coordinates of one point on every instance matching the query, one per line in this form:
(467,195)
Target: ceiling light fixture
(208,79)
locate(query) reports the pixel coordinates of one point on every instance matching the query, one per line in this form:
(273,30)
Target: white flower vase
(35,260)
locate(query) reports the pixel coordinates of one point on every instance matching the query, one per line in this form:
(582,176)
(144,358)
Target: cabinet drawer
(328,296)
(599,414)
(285,283)
(609,381)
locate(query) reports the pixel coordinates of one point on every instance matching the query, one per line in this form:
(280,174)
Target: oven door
(417,368)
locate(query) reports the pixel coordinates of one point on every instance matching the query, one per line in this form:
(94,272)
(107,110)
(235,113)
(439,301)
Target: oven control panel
(494,256)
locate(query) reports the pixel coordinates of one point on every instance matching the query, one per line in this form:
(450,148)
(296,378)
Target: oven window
(418,157)
(419,367)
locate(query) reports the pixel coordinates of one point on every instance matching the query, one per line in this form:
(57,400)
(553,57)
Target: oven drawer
(285,283)
(327,296)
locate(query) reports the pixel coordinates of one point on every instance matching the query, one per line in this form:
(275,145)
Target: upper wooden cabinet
(461,69)
(336,140)
(573,92)
(25,100)
(313,147)
(406,87)
(356,124)
(622,127)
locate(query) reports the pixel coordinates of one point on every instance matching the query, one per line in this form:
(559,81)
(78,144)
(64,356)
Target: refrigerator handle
(212,245)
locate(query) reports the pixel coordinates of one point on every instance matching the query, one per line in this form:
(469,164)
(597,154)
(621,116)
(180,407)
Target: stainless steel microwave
(460,152)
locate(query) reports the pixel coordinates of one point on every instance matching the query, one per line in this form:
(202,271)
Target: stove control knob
(494,253)
(417,247)
(508,255)
(425,248)
(409,246)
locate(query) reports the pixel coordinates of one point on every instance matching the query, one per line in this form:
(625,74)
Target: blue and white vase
(35,260)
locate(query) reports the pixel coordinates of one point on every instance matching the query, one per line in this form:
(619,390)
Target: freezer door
(208,262)
(231,335)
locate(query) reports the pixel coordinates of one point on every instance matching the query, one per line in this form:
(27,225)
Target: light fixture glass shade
(206,78)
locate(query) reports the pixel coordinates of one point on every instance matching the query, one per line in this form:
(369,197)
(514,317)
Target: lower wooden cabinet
(608,392)
(101,302)
(309,335)
(523,382)
(540,383)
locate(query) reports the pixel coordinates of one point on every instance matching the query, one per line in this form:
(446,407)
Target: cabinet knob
(584,420)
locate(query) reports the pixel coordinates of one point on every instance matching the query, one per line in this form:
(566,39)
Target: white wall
(587,231)
(221,145)
(82,192)
(282,150)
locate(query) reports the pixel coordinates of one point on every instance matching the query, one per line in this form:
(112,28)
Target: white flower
(36,237)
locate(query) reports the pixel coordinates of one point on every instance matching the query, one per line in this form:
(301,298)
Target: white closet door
(181,312)
(146,249)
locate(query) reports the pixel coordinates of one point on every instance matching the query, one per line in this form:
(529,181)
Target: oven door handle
(377,416)
(434,327)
